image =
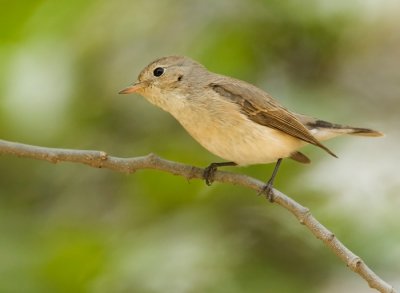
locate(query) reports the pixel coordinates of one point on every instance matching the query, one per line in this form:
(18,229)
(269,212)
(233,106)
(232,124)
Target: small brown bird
(231,118)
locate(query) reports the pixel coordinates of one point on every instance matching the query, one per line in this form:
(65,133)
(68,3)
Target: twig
(99,159)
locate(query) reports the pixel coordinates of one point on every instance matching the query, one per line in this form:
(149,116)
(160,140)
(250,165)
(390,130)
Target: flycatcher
(231,118)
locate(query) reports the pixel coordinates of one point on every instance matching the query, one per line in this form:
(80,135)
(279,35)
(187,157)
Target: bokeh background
(71,228)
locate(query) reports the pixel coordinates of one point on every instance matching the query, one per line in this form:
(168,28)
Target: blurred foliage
(69,228)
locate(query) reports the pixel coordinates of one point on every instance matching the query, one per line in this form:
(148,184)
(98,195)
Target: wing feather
(261,108)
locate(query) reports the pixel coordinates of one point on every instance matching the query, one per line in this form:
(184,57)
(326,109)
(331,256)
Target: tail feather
(323,130)
(300,157)
(364,132)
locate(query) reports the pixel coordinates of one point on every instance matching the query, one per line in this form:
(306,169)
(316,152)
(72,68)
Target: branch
(100,159)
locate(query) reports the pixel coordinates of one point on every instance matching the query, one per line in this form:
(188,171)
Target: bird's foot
(209,172)
(268,191)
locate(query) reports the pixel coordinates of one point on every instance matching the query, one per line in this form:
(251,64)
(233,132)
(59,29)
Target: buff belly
(245,143)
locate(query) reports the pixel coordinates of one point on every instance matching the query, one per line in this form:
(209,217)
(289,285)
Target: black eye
(158,71)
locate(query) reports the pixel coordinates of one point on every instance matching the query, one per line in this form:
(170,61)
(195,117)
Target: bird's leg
(209,172)
(267,189)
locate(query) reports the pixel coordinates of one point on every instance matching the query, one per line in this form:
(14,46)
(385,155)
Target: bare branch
(99,159)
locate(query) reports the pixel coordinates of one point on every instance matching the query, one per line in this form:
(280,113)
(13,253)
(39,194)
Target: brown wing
(261,108)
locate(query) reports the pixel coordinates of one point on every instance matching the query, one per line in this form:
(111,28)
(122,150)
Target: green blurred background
(70,228)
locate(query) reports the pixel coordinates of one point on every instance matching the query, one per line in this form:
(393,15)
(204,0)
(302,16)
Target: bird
(233,119)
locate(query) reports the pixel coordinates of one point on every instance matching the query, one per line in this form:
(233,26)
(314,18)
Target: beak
(134,88)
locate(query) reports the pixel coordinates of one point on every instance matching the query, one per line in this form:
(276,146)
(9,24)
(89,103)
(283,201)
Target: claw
(208,174)
(268,190)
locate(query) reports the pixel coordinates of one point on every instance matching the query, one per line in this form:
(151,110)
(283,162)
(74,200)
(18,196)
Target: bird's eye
(158,71)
